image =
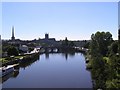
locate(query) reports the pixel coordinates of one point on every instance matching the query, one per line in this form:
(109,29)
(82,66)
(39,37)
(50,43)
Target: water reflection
(57,73)
(47,55)
(66,55)
(24,65)
(13,74)
(5,78)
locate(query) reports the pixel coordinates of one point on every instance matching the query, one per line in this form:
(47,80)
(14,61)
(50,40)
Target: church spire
(13,31)
(13,38)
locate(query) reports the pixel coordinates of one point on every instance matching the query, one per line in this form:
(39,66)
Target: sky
(74,20)
(60,0)
(119,14)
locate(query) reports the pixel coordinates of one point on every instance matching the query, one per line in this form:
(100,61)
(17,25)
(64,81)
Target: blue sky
(77,21)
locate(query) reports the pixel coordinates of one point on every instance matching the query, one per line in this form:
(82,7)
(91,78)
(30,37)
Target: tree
(93,46)
(71,44)
(101,41)
(12,51)
(65,42)
(87,45)
(113,48)
(114,71)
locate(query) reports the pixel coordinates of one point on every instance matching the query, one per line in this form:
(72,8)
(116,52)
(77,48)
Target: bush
(12,51)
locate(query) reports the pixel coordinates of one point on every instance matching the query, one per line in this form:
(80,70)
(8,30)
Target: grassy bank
(10,59)
(18,59)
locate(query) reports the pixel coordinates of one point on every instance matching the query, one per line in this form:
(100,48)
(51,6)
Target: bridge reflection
(66,55)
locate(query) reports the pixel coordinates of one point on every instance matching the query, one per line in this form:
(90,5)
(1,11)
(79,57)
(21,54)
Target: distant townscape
(27,45)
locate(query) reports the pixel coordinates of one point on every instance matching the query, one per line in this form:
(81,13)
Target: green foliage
(71,44)
(93,47)
(31,45)
(87,45)
(105,60)
(30,49)
(98,70)
(3,60)
(100,42)
(65,42)
(114,83)
(12,51)
(113,49)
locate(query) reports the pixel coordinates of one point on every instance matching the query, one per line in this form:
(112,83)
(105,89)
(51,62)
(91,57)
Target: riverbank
(17,59)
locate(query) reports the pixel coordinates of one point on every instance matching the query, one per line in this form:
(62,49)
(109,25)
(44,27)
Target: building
(48,41)
(23,48)
(46,36)
(13,40)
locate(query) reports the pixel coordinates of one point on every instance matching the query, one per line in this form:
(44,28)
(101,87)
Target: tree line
(104,60)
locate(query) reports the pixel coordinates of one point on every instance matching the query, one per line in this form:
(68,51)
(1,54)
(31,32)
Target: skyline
(76,21)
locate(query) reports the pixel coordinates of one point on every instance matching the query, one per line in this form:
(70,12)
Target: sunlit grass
(3,60)
(106,59)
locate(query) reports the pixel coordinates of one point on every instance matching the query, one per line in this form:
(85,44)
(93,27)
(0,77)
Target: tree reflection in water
(13,74)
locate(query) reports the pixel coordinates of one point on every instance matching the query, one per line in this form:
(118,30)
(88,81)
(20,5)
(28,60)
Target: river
(60,70)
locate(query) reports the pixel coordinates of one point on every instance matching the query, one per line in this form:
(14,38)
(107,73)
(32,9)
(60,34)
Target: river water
(61,70)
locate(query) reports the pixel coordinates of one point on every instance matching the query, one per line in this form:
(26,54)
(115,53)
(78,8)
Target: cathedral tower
(46,36)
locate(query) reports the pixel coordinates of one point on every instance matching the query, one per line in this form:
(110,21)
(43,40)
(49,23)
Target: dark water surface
(52,71)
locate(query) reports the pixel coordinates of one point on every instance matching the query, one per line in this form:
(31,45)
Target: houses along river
(59,70)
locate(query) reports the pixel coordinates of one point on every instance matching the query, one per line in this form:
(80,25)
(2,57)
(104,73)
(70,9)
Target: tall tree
(101,41)
(65,42)
(71,44)
(99,48)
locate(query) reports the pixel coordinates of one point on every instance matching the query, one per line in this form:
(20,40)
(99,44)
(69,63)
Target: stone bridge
(58,49)
(50,49)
